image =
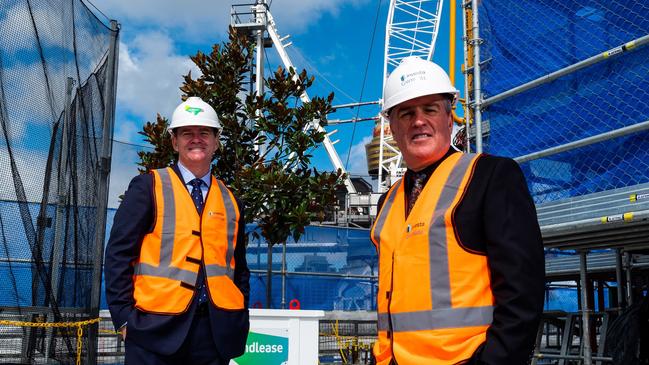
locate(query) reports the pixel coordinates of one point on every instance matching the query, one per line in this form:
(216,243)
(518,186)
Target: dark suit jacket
(497,218)
(164,334)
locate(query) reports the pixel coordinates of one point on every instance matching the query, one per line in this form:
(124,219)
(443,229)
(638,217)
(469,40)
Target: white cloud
(30,165)
(295,16)
(204,20)
(123,169)
(127,131)
(17,24)
(53,21)
(27,97)
(150,73)
(358,159)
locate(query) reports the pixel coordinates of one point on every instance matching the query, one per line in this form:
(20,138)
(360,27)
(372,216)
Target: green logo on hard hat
(193,110)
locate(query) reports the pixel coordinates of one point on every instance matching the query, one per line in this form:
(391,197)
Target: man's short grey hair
(448,105)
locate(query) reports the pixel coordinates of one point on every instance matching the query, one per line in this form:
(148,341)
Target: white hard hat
(194,111)
(413,78)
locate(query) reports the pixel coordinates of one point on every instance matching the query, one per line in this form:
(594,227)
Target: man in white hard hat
(175,270)
(461,266)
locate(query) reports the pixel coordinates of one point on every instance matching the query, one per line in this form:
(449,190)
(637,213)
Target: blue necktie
(197,194)
(197,197)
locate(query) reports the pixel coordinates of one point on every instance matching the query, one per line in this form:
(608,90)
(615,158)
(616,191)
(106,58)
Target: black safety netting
(56,86)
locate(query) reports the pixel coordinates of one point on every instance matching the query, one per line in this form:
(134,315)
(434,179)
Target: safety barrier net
(329,268)
(524,41)
(50,150)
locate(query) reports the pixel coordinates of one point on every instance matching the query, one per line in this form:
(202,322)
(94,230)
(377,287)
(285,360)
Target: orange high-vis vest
(434,297)
(181,241)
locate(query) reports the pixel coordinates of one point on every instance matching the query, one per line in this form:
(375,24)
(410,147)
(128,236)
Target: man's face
(422,129)
(195,145)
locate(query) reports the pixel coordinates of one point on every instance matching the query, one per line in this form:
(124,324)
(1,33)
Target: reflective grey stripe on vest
(387,205)
(165,270)
(168,220)
(168,272)
(437,319)
(230,214)
(442,315)
(218,270)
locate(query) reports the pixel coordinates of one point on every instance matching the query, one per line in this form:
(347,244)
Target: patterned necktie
(197,197)
(417,187)
(197,194)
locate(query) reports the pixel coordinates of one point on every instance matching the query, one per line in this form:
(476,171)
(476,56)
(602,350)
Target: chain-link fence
(569,79)
(57,68)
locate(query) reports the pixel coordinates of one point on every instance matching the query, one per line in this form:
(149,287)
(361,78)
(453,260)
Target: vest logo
(217,215)
(415,229)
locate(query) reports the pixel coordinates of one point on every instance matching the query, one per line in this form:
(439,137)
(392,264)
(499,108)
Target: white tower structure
(260,20)
(411,30)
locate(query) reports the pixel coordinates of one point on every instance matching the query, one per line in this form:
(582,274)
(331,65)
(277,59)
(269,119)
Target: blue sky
(331,40)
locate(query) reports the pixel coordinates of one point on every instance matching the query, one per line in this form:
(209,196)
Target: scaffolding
(562,88)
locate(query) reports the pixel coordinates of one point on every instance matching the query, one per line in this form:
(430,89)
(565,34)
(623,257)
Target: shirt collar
(189,176)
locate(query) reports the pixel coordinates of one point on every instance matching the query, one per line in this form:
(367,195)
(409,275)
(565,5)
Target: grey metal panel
(597,262)
(576,223)
(594,205)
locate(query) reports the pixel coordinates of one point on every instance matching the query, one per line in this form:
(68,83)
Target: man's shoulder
(385,194)
(140,187)
(497,172)
(141,180)
(492,162)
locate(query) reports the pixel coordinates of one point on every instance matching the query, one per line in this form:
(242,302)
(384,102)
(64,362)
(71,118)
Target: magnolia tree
(266,142)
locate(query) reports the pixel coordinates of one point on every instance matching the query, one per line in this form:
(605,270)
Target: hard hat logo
(193,110)
(412,77)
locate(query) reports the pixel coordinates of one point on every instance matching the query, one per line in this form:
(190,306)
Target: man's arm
(132,221)
(241,271)
(516,261)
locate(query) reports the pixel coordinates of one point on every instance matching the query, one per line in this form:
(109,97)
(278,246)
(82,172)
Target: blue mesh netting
(330,254)
(525,40)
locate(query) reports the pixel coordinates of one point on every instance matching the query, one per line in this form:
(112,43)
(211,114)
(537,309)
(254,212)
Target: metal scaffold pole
(103,179)
(628,258)
(617,51)
(62,202)
(59,241)
(585,309)
(620,132)
(477,92)
(260,18)
(619,279)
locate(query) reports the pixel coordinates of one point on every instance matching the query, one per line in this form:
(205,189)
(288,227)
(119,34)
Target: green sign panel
(268,347)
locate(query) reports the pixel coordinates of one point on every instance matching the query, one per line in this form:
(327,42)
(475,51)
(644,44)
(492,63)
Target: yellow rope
(345,343)
(79,326)
(340,346)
